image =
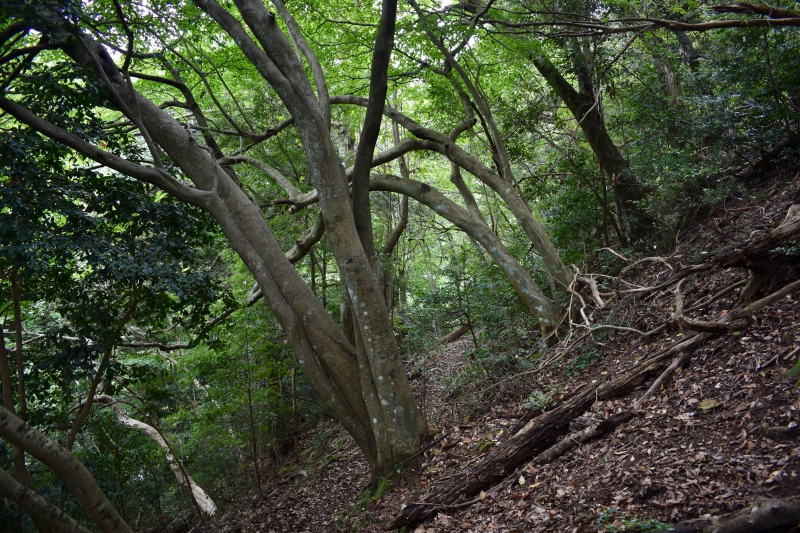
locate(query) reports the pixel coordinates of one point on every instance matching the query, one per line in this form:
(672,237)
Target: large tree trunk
(75,476)
(379,409)
(49,517)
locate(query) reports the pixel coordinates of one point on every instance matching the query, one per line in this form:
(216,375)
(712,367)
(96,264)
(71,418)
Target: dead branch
(583,435)
(704,325)
(639,262)
(678,361)
(762,244)
(781,433)
(545,430)
(681,274)
(614,253)
(763,515)
(593,287)
(721,294)
(450,337)
(538,435)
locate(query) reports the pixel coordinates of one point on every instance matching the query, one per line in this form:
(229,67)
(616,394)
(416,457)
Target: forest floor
(695,448)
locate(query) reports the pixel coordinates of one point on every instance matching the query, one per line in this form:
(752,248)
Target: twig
(776,359)
(716,297)
(426,448)
(615,253)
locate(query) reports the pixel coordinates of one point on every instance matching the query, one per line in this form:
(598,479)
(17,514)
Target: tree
(378,410)
(156,73)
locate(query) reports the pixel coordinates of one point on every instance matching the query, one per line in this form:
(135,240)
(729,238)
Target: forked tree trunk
(378,409)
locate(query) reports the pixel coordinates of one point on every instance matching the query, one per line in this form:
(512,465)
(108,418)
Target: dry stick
(537,435)
(728,323)
(642,261)
(679,359)
(716,297)
(425,448)
(777,358)
(615,253)
(583,435)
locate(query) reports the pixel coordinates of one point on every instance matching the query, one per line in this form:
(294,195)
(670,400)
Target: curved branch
(311,57)
(530,293)
(46,513)
(150,175)
(204,502)
(293,192)
(76,477)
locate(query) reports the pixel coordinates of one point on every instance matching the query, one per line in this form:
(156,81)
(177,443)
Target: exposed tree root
(545,430)
(763,515)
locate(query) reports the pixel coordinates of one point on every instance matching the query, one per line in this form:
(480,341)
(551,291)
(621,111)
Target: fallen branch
(721,294)
(763,515)
(545,430)
(678,361)
(538,435)
(704,325)
(762,244)
(450,337)
(781,433)
(583,435)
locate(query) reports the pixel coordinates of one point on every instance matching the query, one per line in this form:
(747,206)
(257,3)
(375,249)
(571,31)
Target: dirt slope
(696,448)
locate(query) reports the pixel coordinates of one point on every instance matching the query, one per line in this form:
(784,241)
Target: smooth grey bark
(371,128)
(537,303)
(47,515)
(203,501)
(77,479)
(281,70)
(437,142)
(390,426)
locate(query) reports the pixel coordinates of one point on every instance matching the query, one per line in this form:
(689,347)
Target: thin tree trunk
(585,109)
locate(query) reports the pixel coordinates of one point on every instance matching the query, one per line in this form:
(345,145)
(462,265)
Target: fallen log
(600,428)
(450,337)
(538,435)
(763,515)
(545,430)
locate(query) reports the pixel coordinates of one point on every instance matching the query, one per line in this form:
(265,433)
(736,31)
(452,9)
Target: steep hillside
(717,434)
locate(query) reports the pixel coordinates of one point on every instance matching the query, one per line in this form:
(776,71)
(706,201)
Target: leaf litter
(696,448)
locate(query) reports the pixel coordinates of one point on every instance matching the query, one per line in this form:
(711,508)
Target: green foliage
(606,522)
(583,360)
(89,244)
(541,400)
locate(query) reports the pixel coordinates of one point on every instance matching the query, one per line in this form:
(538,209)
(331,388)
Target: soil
(696,448)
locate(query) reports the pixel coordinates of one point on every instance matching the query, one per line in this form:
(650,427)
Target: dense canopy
(377,174)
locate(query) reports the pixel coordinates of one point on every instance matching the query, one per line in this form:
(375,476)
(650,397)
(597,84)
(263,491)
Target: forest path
(696,448)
